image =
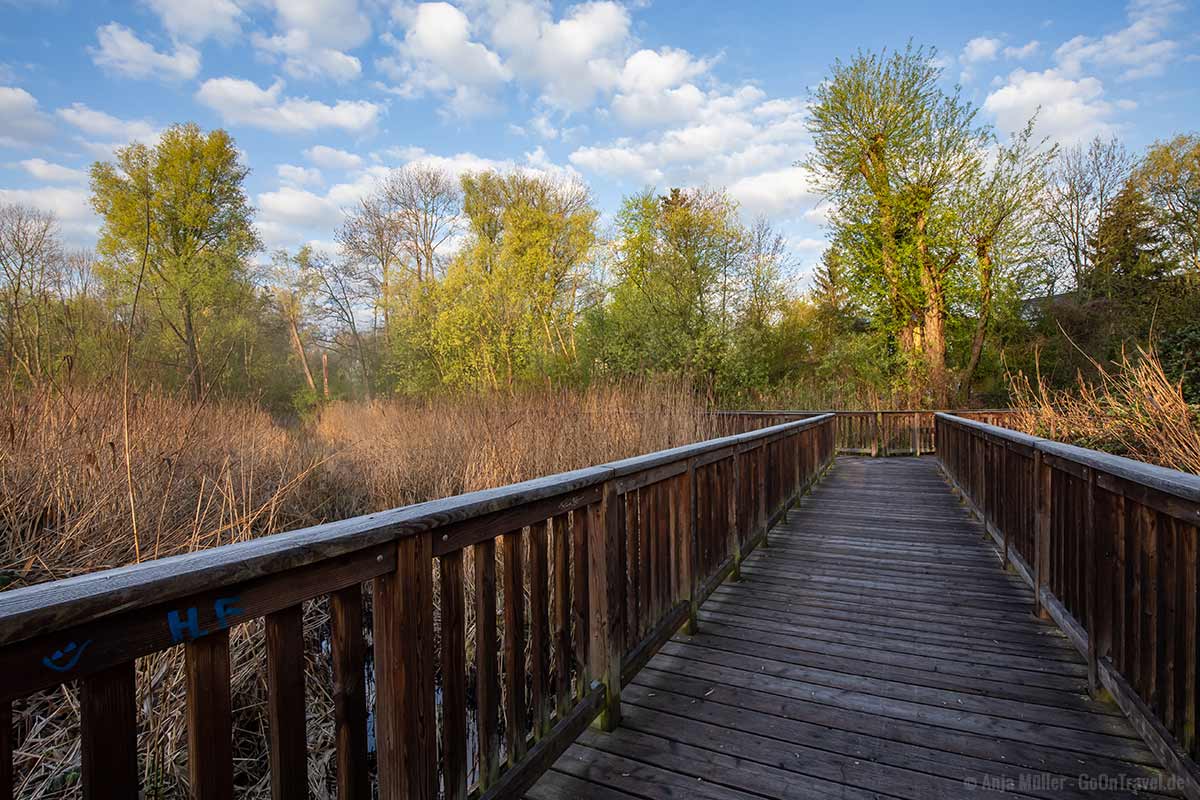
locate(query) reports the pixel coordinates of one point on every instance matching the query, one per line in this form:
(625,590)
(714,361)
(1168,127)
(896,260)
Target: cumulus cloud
(304,60)
(102,133)
(71,206)
(44,170)
(119,50)
(24,122)
(655,87)
(299,176)
(1024,51)
(1069,109)
(332,158)
(439,55)
(337,24)
(981,48)
(1141,49)
(245,102)
(187,19)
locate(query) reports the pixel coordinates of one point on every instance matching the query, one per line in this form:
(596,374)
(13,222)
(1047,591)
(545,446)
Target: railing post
(1090,588)
(405,725)
(735,486)
(687,536)
(606,584)
(916,433)
(760,486)
(1042,486)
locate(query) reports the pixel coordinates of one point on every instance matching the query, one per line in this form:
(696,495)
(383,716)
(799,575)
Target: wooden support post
(108,735)
(1092,565)
(285,703)
(454,677)
(487,682)
(688,536)
(606,582)
(731,491)
(1042,487)
(405,726)
(760,488)
(916,433)
(209,718)
(515,669)
(349,693)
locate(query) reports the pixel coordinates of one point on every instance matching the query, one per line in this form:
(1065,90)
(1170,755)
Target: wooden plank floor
(876,649)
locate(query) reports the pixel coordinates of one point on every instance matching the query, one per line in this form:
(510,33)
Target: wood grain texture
(209,717)
(454,677)
(348,648)
(515,708)
(286,707)
(108,735)
(487,678)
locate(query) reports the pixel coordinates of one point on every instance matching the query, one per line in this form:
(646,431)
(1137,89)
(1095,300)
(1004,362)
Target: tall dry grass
(1132,408)
(214,474)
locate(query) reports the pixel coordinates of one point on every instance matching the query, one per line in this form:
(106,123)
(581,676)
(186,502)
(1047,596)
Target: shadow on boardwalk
(875,649)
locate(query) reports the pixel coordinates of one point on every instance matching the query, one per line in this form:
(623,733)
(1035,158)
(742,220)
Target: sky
(324,96)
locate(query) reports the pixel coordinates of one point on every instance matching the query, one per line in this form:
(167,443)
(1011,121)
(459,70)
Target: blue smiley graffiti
(65,659)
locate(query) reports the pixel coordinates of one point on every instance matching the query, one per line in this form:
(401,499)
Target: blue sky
(325,95)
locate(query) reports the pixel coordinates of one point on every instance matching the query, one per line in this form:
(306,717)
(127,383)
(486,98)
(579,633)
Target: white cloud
(332,158)
(981,48)
(779,107)
(99,123)
(438,55)
(188,19)
(244,102)
(293,206)
(121,51)
(72,207)
(302,59)
(1024,51)
(655,88)
(24,123)
(1140,49)
(337,24)
(299,176)
(55,173)
(570,59)
(1071,109)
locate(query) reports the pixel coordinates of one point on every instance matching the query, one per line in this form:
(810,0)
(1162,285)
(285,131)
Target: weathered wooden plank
(581,596)
(454,676)
(108,734)
(405,725)
(209,717)
(286,709)
(539,625)
(560,541)
(606,626)
(487,680)
(348,648)
(515,708)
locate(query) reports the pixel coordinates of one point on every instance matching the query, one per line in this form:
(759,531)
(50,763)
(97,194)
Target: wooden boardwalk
(875,649)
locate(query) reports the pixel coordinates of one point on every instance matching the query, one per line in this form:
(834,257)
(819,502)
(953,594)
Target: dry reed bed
(1132,408)
(223,472)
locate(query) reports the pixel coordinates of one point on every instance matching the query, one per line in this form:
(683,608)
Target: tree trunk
(984,259)
(325,374)
(298,346)
(934,316)
(195,368)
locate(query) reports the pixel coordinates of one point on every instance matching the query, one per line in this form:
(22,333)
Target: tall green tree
(181,204)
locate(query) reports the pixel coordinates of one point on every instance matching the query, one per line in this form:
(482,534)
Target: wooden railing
(1110,547)
(615,559)
(874,433)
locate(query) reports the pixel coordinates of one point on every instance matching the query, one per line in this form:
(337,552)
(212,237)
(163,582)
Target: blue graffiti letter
(224,609)
(179,626)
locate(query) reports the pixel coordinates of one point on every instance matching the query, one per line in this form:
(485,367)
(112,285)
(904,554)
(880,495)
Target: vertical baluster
(1043,486)
(580,595)
(539,641)
(1168,621)
(209,717)
(514,646)
(108,736)
(729,488)
(487,685)
(405,723)
(561,626)
(689,535)
(349,692)
(1186,676)
(285,702)
(647,560)
(454,677)
(632,568)
(1092,560)
(605,543)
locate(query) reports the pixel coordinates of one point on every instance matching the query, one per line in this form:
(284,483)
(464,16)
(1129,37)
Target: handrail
(1110,547)
(618,556)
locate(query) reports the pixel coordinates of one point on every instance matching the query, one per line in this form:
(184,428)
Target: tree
(183,202)
(426,203)
(292,289)
(865,118)
(1169,177)
(1082,184)
(372,237)
(31,263)
(997,212)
